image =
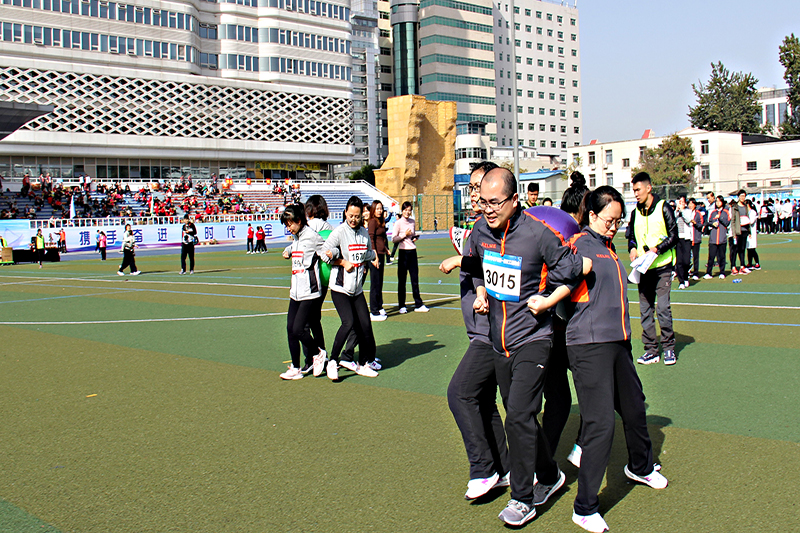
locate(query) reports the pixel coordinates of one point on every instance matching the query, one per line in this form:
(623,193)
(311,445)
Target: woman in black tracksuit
(599,350)
(189,239)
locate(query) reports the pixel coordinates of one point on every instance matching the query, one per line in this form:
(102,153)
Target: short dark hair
(547,199)
(406,204)
(509,181)
(354,201)
(486,166)
(294,213)
(741,192)
(692,201)
(317,207)
(640,177)
(598,199)
(533,187)
(682,196)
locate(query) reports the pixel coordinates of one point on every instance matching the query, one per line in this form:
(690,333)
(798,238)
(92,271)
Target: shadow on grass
(398,351)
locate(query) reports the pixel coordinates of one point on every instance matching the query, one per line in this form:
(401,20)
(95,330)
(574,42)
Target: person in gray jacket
(305,290)
(718,221)
(348,249)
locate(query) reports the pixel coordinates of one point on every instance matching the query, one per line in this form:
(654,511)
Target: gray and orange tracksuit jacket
(718,235)
(524,258)
(601,298)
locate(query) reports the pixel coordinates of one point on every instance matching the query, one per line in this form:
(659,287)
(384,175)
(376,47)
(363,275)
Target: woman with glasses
(405,235)
(600,356)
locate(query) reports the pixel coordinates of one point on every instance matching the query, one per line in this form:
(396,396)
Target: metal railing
(145,221)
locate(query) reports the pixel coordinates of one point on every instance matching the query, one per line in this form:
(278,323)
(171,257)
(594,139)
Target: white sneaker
(377,318)
(318,363)
(120,273)
(382,312)
(421,309)
(182,272)
(349,365)
(366,371)
(292,373)
(574,456)
(403,310)
(722,276)
(375,365)
(480,486)
(333,370)
(695,278)
(593,522)
(655,479)
(135,273)
(707,276)
(191,272)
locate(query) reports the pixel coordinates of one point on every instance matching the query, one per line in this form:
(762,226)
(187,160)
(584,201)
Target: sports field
(153,404)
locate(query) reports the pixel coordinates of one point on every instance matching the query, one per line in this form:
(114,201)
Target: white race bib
(297,263)
(501,275)
(357,253)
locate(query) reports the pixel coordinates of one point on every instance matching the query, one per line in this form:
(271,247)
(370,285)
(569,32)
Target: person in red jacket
(250,234)
(261,246)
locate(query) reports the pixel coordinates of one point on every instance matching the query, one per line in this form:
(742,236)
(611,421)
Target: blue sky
(639,59)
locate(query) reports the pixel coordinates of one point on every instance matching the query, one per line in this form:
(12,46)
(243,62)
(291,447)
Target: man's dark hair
(509,181)
(640,177)
(692,201)
(533,187)
(486,166)
(682,196)
(741,192)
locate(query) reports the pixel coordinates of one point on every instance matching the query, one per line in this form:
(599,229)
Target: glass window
(753,165)
(774,164)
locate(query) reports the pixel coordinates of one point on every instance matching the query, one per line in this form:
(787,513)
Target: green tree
(790,59)
(365,173)
(727,102)
(672,162)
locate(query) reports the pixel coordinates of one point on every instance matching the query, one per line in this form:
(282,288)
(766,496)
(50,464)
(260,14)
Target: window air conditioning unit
(131,52)
(38,41)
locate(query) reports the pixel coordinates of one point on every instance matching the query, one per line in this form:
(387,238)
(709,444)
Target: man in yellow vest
(39,244)
(654,230)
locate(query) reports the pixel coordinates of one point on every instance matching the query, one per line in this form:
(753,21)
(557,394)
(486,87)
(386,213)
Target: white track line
(136,320)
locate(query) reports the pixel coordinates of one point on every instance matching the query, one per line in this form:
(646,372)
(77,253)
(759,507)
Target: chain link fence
(432,212)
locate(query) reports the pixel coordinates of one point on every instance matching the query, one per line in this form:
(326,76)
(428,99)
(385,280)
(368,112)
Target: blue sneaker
(669,357)
(648,359)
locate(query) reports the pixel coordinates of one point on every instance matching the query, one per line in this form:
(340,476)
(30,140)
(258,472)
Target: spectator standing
(101,245)
(696,224)
(250,234)
(405,235)
(38,246)
(261,246)
(653,230)
(718,222)
(683,247)
(128,252)
(188,240)
(380,243)
(752,240)
(533,196)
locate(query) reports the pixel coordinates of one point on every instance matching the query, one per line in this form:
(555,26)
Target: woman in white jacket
(304,294)
(349,249)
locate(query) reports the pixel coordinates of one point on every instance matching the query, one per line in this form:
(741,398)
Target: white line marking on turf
(179,319)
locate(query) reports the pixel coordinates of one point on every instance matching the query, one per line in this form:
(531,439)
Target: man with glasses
(517,261)
(654,230)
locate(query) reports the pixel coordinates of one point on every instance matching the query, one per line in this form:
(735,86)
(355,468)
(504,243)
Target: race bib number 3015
(501,275)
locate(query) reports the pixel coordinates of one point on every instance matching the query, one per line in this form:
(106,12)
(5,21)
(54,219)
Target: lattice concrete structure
(421,159)
(237,83)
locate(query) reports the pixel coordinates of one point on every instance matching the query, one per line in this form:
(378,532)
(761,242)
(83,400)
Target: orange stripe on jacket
(581,293)
(621,292)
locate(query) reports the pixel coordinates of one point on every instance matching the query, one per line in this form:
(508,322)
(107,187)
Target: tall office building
(470,53)
(157,89)
(541,53)
(367,110)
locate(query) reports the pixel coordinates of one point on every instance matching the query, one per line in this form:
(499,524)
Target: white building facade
(162,89)
(727,162)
